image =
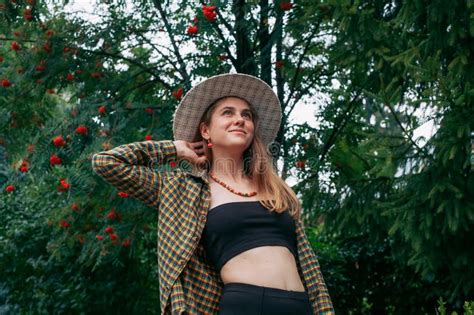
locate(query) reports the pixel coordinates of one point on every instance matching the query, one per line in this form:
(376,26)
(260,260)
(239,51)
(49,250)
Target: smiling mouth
(239,131)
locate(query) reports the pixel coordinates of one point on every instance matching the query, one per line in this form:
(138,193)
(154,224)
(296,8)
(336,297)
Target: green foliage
(393,61)
(393,215)
(468,308)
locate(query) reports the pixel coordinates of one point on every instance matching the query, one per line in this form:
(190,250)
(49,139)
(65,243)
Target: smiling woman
(230,236)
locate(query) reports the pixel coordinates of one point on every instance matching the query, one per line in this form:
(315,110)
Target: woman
(230,237)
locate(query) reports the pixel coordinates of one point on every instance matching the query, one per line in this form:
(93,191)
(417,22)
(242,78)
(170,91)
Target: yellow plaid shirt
(188,282)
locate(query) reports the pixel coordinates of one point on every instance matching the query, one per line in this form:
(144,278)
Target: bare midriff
(267,266)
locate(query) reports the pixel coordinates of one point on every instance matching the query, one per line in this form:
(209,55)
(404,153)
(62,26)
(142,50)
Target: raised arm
(132,168)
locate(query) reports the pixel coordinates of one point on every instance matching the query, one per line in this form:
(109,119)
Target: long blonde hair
(275,194)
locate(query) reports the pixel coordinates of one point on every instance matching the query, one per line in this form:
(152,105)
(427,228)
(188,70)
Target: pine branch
(338,127)
(394,114)
(300,61)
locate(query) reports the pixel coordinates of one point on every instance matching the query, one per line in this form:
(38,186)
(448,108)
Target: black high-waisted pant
(248,299)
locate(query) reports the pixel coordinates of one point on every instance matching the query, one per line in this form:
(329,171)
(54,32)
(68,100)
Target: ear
(203,128)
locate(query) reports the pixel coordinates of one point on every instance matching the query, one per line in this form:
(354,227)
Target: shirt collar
(199,172)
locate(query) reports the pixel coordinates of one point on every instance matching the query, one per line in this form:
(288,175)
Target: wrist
(177,145)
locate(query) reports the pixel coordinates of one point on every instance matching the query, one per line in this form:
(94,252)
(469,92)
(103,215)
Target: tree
(392,59)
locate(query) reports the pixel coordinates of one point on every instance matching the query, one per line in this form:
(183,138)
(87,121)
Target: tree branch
(339,126)
(182,66)
(265,45)
(245,59)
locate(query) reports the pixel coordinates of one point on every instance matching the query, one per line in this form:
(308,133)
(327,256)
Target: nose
(239,120)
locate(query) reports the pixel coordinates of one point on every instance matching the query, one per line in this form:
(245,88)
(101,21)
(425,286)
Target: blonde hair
(274,192)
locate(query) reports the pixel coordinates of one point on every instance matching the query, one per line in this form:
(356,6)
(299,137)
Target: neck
(228,165)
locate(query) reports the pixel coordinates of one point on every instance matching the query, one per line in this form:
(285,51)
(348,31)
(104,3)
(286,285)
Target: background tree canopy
(391,217)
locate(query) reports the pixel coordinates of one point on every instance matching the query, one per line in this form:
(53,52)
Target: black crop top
(235,227)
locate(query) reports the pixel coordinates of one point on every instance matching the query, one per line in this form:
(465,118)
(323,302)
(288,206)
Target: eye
(248,115)
(226,111)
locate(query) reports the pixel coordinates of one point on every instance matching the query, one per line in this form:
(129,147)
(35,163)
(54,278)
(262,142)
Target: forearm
(131,167)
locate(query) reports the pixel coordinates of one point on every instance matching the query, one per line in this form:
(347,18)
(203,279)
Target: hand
(191,151)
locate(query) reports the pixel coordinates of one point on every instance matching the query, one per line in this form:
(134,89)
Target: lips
(238,130)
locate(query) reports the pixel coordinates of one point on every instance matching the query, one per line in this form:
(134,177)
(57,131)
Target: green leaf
(452,152)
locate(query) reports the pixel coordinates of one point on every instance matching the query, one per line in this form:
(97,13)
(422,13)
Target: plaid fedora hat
(255,91)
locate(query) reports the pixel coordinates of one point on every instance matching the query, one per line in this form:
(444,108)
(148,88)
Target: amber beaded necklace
(232,190)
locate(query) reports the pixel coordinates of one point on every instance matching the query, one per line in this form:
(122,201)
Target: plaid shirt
(188,282)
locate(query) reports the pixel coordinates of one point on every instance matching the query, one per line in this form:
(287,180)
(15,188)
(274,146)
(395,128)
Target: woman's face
(231,124)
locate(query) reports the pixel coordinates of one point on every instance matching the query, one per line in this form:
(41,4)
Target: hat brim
(252,89)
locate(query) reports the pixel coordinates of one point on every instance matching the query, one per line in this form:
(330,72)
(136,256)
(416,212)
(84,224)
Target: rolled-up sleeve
(136,168)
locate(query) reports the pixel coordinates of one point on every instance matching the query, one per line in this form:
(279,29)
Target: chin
(237,144)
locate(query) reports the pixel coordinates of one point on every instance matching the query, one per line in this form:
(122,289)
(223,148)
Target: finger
(197,145)
(201,160)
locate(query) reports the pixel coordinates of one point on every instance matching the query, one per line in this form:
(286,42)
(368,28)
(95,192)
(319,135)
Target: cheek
(251,126)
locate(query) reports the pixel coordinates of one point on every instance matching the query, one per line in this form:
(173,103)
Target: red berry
(300,164)
(209,13)
(55,160)
(96,75)
(6,83)
(122,194)
(58,141)
(10,188)
(75,207)
(64,223)
(279,64)
(192,30)
(285,6)
(27,14)
(65,184)
(178,93)
(81,130)
(112,215)
(47,47)
(16,46)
